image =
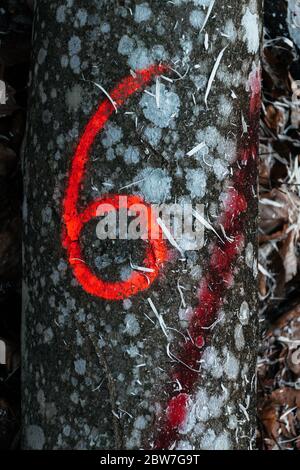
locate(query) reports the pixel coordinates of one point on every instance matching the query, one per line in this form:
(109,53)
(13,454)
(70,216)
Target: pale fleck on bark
(95,372)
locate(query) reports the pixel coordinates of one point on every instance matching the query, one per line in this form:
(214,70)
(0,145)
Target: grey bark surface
(95,371)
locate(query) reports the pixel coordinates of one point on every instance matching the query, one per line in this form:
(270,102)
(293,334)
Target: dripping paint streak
(214,285)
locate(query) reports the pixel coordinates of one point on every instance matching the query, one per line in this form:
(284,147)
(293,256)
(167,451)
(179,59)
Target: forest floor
(278,369)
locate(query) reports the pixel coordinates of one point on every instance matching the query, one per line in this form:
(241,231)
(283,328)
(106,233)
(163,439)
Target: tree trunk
(163,356)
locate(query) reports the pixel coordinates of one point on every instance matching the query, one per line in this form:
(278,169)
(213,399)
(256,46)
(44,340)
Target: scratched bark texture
(176,371)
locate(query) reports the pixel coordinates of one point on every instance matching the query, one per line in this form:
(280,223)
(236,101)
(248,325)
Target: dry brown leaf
(286,396)
(276,208)
(275,118)
(289,256)
(269,419)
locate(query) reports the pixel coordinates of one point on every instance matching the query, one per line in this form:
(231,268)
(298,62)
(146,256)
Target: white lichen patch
(197,18)
(222,442)
(251,36)
(184,445)
(41,56)
(74,45)
(126,45)
(75,63)
(61,14)
(231,366)
(140,58)
(132,326)
(196,182)
(105,27)
(199,80)
(249,255)
(48,335)
(131,155)
(212,362)
(153,135)
(142,13)
(293,20)
(169,105)
(73,98)
(140,423)
(230,30)
(80,366)
(244,313)
(207,441)
(112,134)
(154,184)
(225,106)
(127,304)
(220,169)
(35,437)
(81,17)
(239,337)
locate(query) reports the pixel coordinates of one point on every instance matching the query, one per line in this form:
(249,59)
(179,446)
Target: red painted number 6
(74,221)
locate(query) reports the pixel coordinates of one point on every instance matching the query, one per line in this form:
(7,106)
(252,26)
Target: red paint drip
(177,408)
(214,285)
(74,221)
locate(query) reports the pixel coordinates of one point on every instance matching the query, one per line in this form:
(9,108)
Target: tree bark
(164,358)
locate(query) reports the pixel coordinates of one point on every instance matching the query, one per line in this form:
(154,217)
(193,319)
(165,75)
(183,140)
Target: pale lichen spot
(196,182)
(140,58)
(251,36)
(35,437)
(208,440)
(48,335)
(64,60)
(132,155)
(197,18)
(132,326)
(112,135)
(225,106)
(230,30)
(244,313)
(41,56)
(220,169)
(239,337)
(61,14)
(127,304)
(154,184)
(142,13)
(232,422)
(222,442)
(67,430)
(231,366)
(105,27)
(249,255)
(212,362)
(184,445)
(80,366)
(140,423)
(81,16)
(169,105)
(73,98)
(126,45)
(74,45)
(153,135)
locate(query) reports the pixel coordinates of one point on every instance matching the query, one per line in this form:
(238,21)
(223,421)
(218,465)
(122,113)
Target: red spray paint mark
(74,220)
(214,285)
